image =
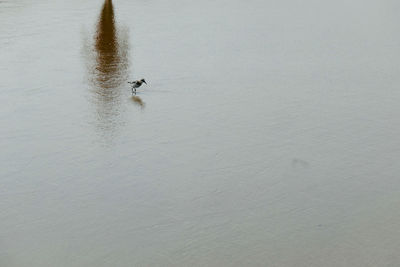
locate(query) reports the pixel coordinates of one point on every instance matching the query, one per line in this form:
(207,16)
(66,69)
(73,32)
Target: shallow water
(268,134)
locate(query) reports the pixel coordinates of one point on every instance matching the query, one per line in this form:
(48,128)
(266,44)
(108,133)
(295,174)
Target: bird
(136,84)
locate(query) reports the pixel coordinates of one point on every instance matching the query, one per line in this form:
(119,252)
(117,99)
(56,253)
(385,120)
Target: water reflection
(108,65)
(111,63)
(138,101)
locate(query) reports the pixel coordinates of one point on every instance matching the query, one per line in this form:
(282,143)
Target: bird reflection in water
(108,65)
(138,101)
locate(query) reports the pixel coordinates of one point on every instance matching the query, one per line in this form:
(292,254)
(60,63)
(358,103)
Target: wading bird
(136,84)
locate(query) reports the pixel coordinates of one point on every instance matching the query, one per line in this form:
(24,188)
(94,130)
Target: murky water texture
(267,134)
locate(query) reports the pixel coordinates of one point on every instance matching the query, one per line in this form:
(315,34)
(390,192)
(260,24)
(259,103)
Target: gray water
(268,133)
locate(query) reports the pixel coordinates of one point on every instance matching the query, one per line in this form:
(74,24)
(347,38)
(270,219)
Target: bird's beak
(145,82)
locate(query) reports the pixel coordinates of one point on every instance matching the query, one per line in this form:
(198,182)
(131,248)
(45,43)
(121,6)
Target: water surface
(267,134)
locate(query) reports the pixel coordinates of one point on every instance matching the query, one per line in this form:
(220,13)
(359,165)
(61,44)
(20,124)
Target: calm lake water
(268,133)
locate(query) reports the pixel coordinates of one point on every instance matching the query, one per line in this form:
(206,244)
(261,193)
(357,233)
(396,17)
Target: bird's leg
(135,91)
